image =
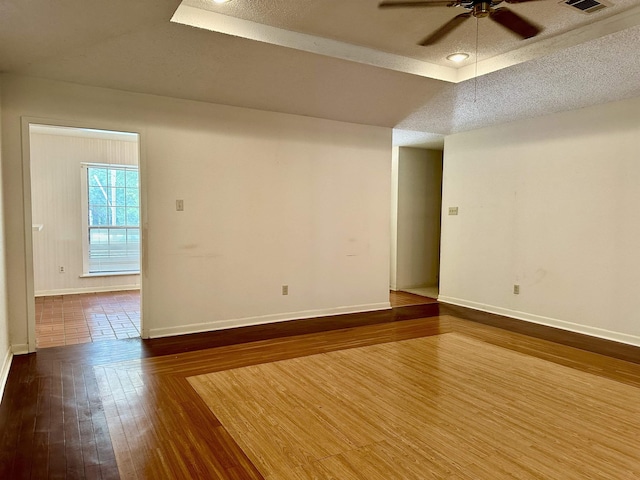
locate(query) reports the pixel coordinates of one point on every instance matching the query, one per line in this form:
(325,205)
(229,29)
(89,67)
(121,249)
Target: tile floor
(88,317)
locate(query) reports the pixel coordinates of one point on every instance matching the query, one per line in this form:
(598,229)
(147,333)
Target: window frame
(84,201)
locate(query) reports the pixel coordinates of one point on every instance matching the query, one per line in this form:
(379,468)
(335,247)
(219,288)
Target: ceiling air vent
(586,6)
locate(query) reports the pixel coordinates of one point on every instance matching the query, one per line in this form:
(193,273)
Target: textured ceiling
(398,31)
(133,46)
(598,71)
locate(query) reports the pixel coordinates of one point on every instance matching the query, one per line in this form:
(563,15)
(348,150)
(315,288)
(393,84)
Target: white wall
(56,157)
(551,204)
(5,350)
(416,205)
(270,199)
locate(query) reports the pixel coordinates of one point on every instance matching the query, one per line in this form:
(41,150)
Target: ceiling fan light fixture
(458,57)
(221,1)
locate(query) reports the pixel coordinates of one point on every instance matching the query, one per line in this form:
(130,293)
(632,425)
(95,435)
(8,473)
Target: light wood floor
(441,407)
(403,299)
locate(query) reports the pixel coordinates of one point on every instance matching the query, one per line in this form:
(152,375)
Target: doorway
(415,221)
(86,236)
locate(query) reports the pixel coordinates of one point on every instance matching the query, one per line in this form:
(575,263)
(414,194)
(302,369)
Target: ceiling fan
(477,8)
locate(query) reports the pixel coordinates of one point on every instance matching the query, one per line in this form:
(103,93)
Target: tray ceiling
(335,59)
(360,23)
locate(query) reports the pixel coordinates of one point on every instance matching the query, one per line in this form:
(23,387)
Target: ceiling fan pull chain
(475,99)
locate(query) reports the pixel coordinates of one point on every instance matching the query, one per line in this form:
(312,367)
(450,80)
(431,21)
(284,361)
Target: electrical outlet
(285,289)
(516,289)
(61,269)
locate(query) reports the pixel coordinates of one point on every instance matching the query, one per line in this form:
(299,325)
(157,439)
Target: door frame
(26,121)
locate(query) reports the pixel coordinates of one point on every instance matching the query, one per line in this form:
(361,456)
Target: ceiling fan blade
(445,29)
(514,22)
(426,3)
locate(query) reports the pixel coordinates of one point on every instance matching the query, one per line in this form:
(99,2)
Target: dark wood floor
(57,422)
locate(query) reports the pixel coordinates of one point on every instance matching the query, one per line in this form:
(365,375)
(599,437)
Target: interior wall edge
(263,319)
(547,321)
(4,371)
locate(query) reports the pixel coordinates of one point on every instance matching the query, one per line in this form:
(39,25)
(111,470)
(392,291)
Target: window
(111,219)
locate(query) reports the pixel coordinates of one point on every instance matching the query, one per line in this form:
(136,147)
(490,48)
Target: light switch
(453,210)
(179,205)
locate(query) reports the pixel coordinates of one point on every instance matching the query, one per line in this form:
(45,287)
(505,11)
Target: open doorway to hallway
(85,211)
(415,221)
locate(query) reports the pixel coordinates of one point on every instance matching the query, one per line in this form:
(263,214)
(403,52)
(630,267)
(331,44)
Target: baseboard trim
(263,319)
(20,349)
(4,371)
(546,321)
(416,287)
(74,291)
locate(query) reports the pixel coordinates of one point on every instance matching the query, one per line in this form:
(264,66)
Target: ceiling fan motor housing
(481,9)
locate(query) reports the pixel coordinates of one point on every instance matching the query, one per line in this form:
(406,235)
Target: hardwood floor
(403,299)
(450,407)
(125,409)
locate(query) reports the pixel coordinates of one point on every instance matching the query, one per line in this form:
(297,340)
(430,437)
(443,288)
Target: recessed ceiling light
(221,1)
(457,57)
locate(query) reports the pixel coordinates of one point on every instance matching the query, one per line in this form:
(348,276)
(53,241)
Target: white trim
(84,217)
(84,132)
(238,27)
(416,287)
(20,349)
(29,287)
(249,321)
(109,274)
(120,166)
(4,371)
(547,321)
(73,291)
